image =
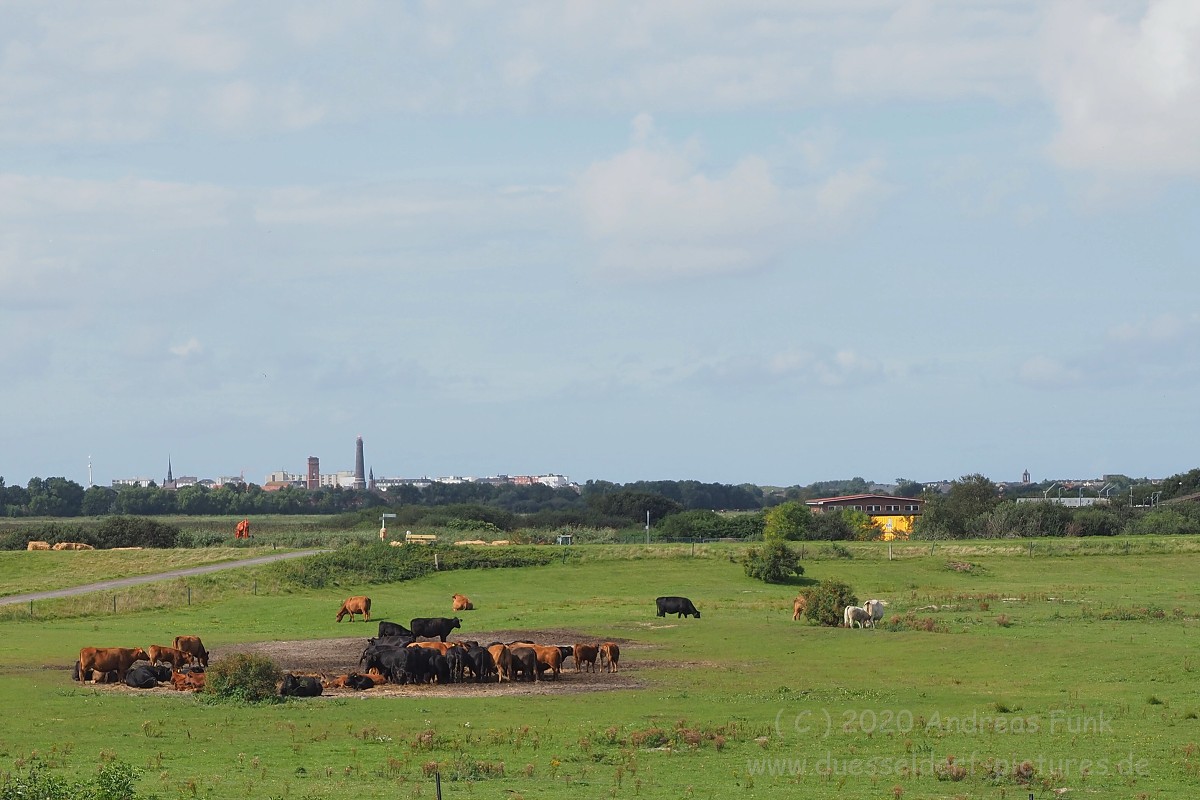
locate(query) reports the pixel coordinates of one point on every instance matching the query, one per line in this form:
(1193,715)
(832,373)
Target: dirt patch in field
(333,657)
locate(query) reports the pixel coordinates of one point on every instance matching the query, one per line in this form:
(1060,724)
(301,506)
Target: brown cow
(586,654)
(160,654)
(462,603)
(377,677)
(35,545)
(548,656)
(105,659)
(187,681)
(193,646)
(799,606)
(503,658)
(359,604)
(612,652)
(441,647)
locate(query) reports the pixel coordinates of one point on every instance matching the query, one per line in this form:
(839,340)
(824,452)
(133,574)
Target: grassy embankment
(1080,665)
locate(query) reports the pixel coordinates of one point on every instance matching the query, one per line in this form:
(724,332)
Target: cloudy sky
(765,241)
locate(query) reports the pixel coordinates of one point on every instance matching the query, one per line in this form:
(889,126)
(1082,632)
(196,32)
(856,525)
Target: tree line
(971,507)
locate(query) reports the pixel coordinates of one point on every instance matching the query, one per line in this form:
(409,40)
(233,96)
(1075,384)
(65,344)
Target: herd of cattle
(416,654)
(182,665)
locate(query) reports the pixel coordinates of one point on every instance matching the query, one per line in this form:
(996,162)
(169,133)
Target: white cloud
(1126,91)
(657,212)
(188,349)
(1163,329)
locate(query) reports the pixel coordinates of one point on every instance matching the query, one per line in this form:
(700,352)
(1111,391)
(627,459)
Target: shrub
(134,532)
(244,678)
(774,562)
(828,600)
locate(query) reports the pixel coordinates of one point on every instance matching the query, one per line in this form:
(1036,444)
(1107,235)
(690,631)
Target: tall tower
(360,473)
(314,474)
(170,481)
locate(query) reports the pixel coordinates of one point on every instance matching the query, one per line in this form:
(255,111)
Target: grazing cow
(525,662)
(610,652)
(434,627)
(502,658)
(193,645)
(875,609)
(679,606)
(299,686)
(855,615)
(586,654)
(460,602)
(105,659)
(169,655)
(393,629)
(799,607)
(358,604)
(147,676)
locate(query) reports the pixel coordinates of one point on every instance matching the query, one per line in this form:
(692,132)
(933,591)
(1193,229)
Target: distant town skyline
(757,242)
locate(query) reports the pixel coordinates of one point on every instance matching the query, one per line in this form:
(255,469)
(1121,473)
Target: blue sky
(767,242)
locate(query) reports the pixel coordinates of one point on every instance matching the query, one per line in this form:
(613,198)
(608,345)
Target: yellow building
(893,516)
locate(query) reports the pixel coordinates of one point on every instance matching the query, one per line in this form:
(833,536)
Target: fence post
(31,608)
(889,551)
(114,604)
(189,595)
(1031,549)
(436,566)
(256,587)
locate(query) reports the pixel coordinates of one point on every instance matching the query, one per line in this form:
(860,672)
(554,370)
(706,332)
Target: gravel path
(159,576)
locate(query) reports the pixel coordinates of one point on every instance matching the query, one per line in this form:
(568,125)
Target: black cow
(524,661)
(359,682)
(434,627)
(393,629)
(679,606)
(457,658)
(147,676)
(299,686)
(481,663)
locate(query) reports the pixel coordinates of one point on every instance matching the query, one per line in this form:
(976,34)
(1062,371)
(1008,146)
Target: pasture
(994,675)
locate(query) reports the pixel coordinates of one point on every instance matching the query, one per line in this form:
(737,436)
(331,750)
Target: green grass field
(1020,675)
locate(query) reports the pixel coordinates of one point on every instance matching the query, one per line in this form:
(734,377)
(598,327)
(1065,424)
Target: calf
(611,652)
(169,655)
(460,602)
(586,654)
(856,616)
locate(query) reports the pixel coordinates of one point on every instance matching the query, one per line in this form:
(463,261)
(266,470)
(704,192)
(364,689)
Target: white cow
(856,615)
(875,609)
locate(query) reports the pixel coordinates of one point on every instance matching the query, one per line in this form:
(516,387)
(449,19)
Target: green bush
(244,678)
(774,562)
(827,602)
(134,532)
(114,782)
